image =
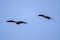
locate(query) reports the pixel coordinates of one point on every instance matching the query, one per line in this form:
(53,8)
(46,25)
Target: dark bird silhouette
(17,22)
(47,17)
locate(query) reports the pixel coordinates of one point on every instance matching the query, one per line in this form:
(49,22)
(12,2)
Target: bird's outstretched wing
(47,17)
(10,21)
(41,15)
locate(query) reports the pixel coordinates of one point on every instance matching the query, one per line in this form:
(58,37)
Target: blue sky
(27,10)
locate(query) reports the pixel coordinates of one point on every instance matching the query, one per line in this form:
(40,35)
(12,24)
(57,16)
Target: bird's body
(17,22)
(20,22)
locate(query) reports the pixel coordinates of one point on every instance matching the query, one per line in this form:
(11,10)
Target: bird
(47,17)
(17,22)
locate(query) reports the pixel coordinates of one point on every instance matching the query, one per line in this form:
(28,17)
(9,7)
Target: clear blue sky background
(27,10)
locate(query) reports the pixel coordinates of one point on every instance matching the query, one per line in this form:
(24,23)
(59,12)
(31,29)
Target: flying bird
(17,22)
(47,17)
